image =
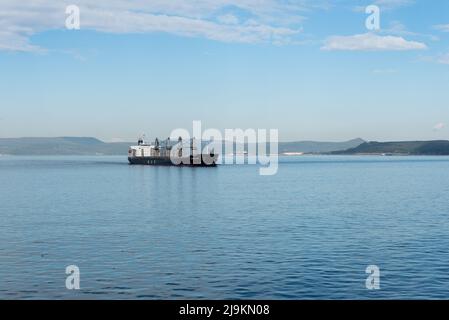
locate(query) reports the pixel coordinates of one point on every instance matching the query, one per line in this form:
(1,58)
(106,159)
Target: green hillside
(439,147)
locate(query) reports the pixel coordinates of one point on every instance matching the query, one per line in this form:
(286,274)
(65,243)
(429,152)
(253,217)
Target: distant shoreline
(280,155)
(89,146)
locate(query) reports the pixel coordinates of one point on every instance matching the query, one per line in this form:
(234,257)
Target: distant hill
(93,146)
(318,147)
(439,147)
(60,146)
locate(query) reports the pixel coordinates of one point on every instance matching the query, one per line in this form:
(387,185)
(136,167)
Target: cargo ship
(165,153)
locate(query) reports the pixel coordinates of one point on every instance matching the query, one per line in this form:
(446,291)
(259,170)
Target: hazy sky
(309,68)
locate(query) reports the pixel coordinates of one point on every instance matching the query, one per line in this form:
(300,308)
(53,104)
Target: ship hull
(166,161)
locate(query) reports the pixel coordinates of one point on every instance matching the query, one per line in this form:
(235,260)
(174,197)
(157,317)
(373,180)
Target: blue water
(219,233)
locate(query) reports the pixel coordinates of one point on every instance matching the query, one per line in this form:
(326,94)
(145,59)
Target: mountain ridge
(432,147)
(94,146)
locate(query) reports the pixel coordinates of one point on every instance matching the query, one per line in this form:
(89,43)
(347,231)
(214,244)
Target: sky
(309,68)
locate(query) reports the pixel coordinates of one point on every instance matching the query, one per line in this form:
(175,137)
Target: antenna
(141,140)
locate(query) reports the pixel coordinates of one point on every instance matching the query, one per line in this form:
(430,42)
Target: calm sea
(166,232)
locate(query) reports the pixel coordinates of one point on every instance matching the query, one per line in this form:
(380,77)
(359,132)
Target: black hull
(165,161)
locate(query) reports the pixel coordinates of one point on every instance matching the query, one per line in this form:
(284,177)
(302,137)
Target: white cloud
(274,21)
(439,126)
(443,59)
(11,41)
(387,5)
(398,29)
(442,27)
(371,42)
(384,71)
(228,19)
(392,4)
